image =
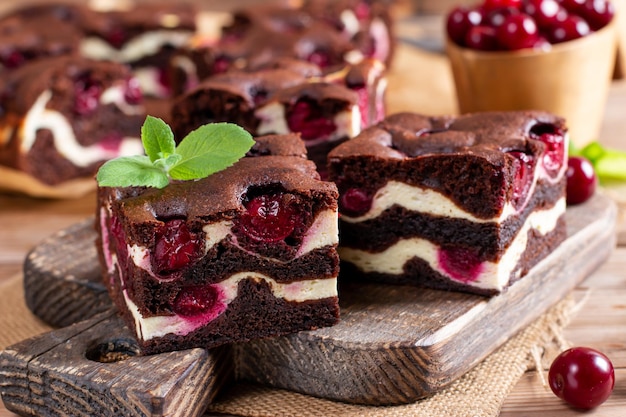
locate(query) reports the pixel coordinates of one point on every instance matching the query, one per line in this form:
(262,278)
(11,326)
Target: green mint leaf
(209,149)
(157,138)
(130,171)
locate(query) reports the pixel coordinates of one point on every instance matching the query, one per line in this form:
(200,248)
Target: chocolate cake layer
(255,314)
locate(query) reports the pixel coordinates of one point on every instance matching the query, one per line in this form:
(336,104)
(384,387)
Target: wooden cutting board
(394,344)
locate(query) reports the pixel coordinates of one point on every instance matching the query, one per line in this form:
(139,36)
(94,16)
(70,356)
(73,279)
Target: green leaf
(209,149)
(130,171)
(611,167)
(157,138)
(593,152)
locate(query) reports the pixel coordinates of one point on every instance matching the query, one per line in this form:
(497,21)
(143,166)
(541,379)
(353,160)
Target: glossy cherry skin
(545,12)
(270,218)
(581,180)
(494,4)
(459,21)
(355,202)
(175,247)
(583,377)
(195,300)
(572,27)
(482,38)
(517,32)
(598,13)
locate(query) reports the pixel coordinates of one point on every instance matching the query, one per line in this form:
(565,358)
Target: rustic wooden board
(394,345)
(92,369)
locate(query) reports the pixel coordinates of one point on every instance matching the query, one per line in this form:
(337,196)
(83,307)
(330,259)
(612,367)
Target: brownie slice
(249,252)
(62,117)
(468,203)
(289,96)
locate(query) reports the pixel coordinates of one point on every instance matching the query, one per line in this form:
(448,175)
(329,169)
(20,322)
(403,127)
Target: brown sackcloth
(479,393)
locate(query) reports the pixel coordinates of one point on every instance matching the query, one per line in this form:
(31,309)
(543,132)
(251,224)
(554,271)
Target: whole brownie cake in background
(468,203)
(289,96)
(39,31)
(248,252)
(326,33)
(62,117)
(144,37)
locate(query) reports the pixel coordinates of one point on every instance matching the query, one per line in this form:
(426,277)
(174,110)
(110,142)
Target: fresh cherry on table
(583,377)
(581,180)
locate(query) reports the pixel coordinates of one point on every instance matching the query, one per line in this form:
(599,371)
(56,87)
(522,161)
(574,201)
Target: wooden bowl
(572,80)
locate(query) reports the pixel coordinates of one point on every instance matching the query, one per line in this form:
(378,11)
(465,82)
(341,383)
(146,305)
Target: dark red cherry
(572,27)
(545,12)
(306,118)
(598,13)
(221,64)
(582,377)
(12,59)
(195,300)
(175,247)
(524,167)
(320,58)
(116,36)
(495,4)
(573,6)
(355,202)
(460,263)
(554,141)
(132,91)
(459,21)
(87,95)
(482,38)
(517,32)
(270,218)
(496,17)
(581,180)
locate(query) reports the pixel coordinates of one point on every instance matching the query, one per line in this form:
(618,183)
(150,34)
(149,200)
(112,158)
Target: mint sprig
(609,164)
(205,151)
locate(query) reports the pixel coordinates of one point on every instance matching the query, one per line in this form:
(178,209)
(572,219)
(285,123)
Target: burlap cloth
(479,393)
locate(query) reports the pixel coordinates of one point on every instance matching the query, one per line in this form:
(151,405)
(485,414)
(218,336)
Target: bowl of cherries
(552,55)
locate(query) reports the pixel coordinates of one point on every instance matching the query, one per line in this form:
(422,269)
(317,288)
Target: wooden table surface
(601,323)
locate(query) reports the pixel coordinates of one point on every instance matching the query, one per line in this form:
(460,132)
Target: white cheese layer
(65,142)
(421,200)
(146,44)
(157,326)
(492,276)
(273,120)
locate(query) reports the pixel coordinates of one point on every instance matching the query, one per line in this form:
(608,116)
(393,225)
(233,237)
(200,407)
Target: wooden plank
(394,345)
(92,369)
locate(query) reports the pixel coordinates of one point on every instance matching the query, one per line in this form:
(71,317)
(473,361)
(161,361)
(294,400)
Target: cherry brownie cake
(468,203)
(144,37)
(326,33)
(62,117)
(248,252)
